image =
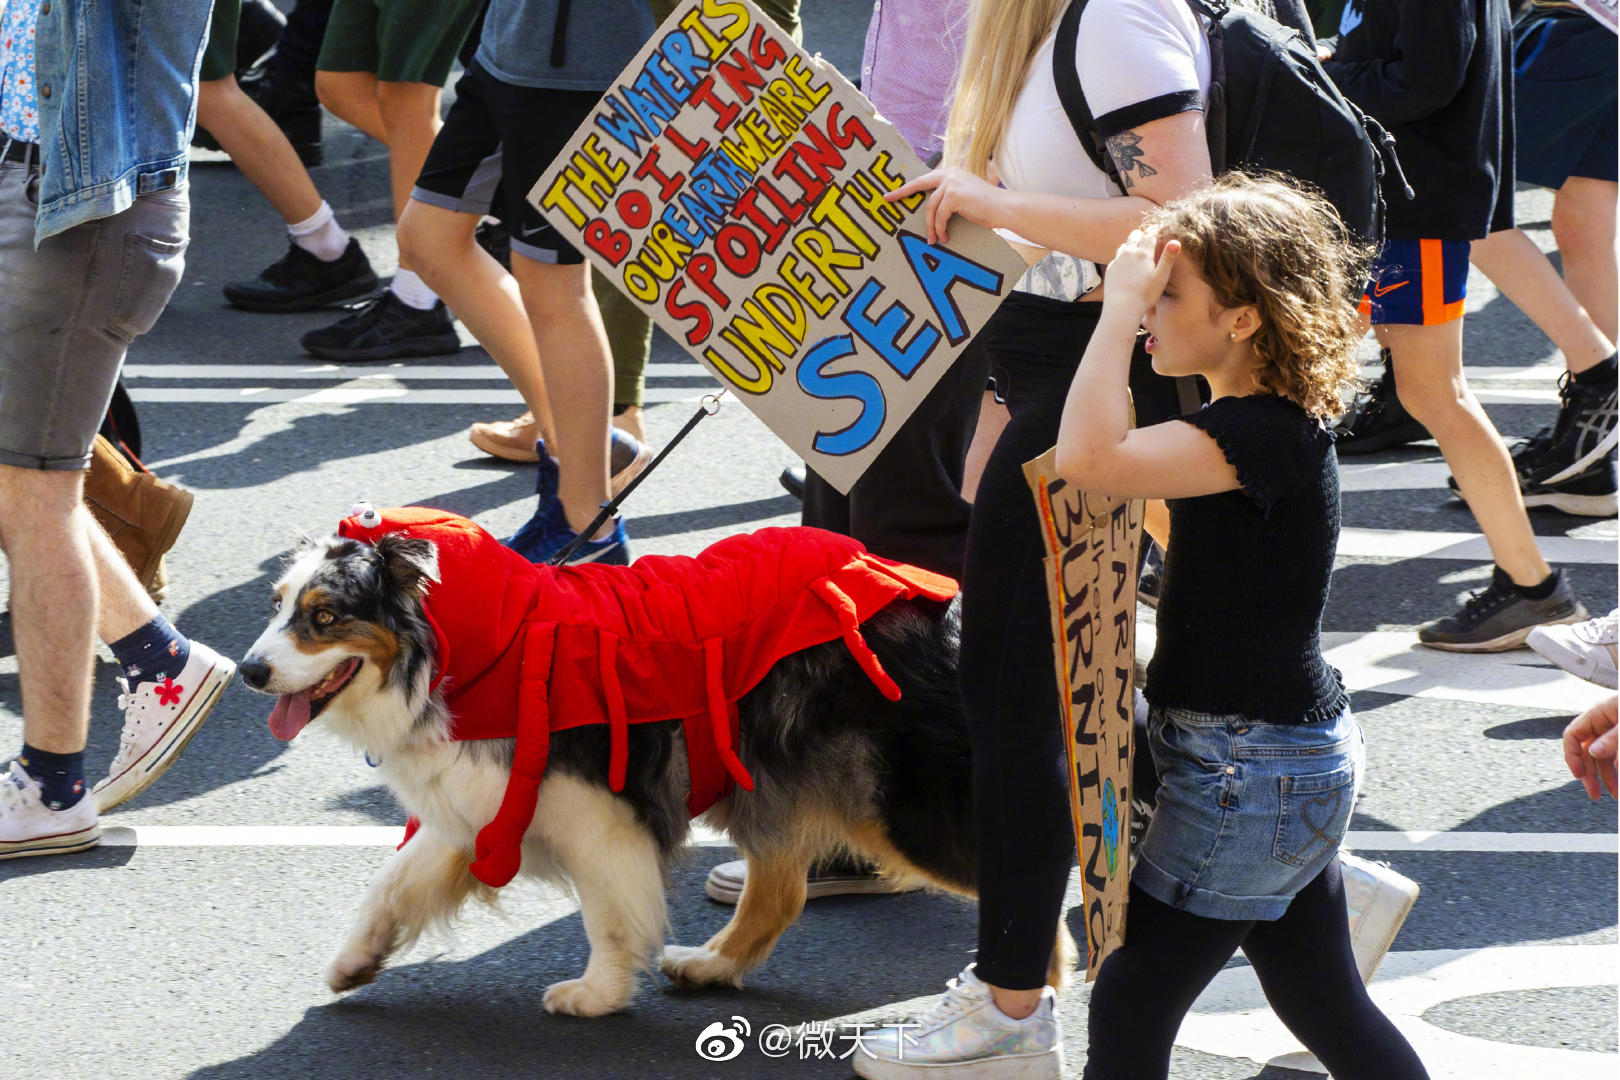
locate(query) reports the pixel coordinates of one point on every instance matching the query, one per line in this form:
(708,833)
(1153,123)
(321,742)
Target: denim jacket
(116,81)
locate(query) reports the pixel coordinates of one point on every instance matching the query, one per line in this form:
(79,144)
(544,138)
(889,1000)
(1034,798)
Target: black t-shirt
(1246,575)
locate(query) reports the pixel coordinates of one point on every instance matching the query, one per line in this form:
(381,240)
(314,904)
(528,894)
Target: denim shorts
(69,310)
(1247,813)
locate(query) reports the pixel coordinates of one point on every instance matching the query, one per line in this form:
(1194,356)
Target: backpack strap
(1073,97)
(1215,105)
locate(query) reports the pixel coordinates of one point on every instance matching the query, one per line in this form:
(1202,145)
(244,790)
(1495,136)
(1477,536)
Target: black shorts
(495,143)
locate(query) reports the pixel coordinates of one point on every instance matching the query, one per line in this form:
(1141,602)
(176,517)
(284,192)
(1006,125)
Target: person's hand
(955,191)
(1323,53)
(1590,745)
(1139,272)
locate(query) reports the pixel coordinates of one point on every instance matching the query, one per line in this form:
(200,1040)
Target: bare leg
(1430,384)
(45,533)
(992,418)
(1156,522)
(1583,223)
(424,882)
(578,374)
(1525,276)
(125,606)
(351,96)
(439,244)
(410,115)
(258,148)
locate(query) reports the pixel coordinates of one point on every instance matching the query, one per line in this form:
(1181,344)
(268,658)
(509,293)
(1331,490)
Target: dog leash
(709,406)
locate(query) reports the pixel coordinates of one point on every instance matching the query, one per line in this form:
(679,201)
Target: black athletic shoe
(792,479)
(293,106)
(386,329)
(1376,420)
(1570,466)
(1499,617)
(1150,580)
(494,238)
(298,281)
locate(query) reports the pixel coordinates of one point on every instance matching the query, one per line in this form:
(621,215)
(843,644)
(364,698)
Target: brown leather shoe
(142,514)
(510,440)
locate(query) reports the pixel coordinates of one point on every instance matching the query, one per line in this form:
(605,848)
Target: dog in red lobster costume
(569,723)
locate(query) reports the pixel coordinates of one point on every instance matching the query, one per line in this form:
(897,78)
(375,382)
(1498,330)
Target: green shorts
(219,59)
(397,40)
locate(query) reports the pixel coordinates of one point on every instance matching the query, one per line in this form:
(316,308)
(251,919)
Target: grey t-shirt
(597,39)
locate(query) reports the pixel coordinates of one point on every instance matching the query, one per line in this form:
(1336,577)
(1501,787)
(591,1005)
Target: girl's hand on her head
(1140,271)
(955,191)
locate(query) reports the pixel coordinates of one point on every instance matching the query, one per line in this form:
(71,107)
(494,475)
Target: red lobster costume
(525,650)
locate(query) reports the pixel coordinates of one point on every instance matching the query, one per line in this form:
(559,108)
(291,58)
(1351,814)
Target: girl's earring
(1233,336)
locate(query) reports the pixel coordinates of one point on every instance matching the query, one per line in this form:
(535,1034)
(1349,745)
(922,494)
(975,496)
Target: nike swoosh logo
(1381,290)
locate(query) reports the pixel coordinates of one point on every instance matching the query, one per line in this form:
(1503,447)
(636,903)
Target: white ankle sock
(412,290)
(320,234)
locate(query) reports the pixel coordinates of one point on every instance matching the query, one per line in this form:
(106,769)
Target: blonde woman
(1144,68)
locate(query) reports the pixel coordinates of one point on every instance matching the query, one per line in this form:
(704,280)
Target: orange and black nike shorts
(1418,283)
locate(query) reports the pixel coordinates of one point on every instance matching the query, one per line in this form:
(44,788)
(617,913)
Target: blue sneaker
(547,532)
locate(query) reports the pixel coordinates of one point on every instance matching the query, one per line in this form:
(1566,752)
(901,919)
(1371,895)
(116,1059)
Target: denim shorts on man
(1247,813)
(69,311)
(1418,283)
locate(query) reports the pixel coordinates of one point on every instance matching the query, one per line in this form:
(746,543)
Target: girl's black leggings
(1305,965)
(1020,790)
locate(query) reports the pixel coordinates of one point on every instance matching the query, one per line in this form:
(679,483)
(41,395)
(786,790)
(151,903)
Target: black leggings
(1020,788)
(1305,965)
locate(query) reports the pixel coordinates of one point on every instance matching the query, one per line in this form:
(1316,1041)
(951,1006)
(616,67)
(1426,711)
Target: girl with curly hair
(1250,283)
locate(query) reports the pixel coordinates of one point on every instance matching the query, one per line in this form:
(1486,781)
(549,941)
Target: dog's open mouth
(294,711)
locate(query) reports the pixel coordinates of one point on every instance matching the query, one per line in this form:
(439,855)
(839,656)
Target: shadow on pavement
(482,1016)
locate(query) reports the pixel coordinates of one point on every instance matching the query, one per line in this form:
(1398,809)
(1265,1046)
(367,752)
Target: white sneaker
(725,883)
(965,1037)
(1587,650)
(159,720)
(1378,900)
(29,827)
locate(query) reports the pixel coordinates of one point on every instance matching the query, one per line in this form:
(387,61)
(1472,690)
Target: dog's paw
(691,966)
(350,972)
(576,997)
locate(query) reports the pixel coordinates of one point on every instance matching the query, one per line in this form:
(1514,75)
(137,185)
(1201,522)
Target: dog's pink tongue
(290,715)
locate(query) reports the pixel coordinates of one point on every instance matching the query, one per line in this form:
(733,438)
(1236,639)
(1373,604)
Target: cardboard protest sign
(733,187)
(1091,544)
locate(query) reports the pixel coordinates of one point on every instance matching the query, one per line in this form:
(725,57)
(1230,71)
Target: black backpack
(1271,106)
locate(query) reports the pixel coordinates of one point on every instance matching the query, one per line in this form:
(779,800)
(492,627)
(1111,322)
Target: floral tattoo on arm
(1126,150)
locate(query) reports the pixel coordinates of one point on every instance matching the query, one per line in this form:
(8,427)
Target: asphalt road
(173,951)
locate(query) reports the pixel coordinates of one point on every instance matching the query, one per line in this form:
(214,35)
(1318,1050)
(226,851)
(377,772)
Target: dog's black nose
(254,672)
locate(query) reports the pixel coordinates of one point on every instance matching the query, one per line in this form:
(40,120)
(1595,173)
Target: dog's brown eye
(324,618)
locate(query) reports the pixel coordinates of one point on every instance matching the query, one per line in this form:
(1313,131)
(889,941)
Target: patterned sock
(60,776)
(1603,373)
(155,652)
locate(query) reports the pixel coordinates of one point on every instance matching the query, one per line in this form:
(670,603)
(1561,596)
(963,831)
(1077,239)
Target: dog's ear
(410,561)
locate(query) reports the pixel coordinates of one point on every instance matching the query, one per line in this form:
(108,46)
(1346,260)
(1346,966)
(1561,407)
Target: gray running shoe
(1498,618)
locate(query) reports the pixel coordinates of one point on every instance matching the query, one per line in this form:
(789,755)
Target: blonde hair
(1267,241)
(1002,38)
